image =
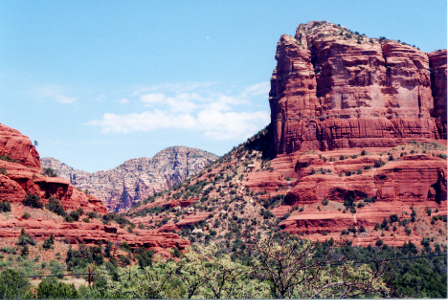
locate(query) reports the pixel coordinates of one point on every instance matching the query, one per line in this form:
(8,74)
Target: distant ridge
(138,178)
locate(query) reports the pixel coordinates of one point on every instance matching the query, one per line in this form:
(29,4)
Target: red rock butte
(333,88)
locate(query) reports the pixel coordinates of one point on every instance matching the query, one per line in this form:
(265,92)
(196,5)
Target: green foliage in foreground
(275,268)
(13,285)
(50,288)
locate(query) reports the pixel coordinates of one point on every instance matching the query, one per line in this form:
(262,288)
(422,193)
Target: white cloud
(65,99)
(100,98)
(215,124)
(123,101)
(179,103)
(231,125)
(218,116)
(146,121)
(172,87)
(257,89)
(55,92)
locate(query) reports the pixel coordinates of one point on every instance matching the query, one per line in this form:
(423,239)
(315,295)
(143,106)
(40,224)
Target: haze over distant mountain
(135,179)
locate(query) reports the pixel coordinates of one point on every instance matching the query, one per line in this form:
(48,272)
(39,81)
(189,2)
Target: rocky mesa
(333,88)
(136,179)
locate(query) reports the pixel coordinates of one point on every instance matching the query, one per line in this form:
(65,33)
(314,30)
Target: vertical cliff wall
(333,88)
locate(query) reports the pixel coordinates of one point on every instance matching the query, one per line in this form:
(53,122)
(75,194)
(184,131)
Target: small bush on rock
(32,200)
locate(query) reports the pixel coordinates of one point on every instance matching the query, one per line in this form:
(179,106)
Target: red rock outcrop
(403,184)
(415,179)
(136,179)
(91,233)
(18,147)
(438,64)
(22,175)
(336,89)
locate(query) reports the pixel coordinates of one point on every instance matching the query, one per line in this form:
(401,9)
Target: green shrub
(55,206)
(125,261)
(57,269)
(25,239)
(5,206)
(3,171)
(49,172)
(378,163)
(48,243)
(13,285)
(92,214)
(80,259)
(26,215)
(408,231)
(325,201)
(50,288)
(176,253)
(32,200)
(76,213)
(145,258)
(69,219)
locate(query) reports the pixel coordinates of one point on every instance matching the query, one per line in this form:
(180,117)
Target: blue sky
(100,82)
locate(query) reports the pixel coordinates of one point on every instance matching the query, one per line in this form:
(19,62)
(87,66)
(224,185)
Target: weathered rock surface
(136,179)
(18,147)
(403,184)
(91,233)
(20,174)
(336,89)
(24,176)
(438,64)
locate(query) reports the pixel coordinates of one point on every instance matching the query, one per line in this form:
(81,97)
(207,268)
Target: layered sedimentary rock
(336,89)
(136,179)
(17,147)
(21,175)
(438,64)
(91,233)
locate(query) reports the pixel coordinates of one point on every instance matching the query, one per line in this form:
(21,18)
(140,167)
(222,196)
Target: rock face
(136,179)
(336,89)
(437,62)
(92,233)
(20,174)
(18,147)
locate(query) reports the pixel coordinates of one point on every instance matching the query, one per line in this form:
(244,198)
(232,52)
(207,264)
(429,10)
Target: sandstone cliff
(136,179)
(20,174)
(333,88)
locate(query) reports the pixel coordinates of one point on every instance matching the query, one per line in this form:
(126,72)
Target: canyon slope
(136,179)
(355,152)
(21,175)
